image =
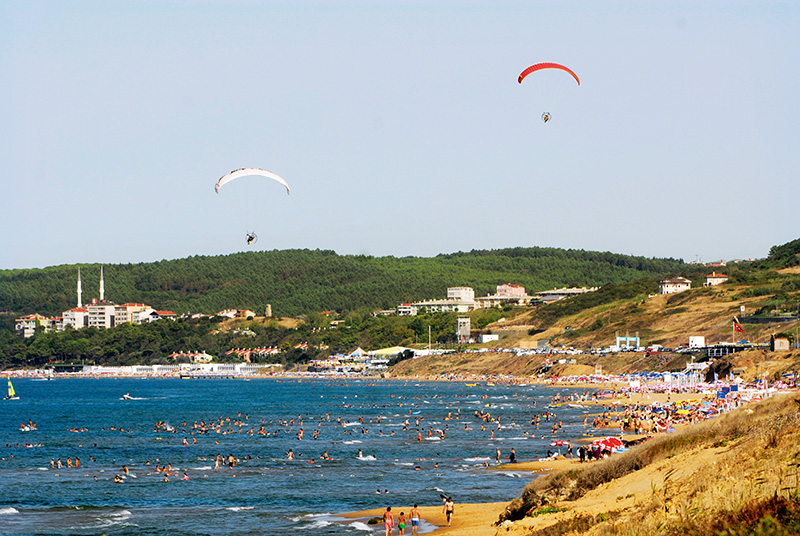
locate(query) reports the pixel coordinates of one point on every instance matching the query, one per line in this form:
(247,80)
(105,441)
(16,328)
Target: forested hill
(300,281)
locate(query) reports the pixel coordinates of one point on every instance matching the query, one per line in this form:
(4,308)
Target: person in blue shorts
(414,514)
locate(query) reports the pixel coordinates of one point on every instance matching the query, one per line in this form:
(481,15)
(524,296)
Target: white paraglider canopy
(244,172)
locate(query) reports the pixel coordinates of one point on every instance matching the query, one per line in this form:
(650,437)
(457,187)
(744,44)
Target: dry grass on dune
(736,474)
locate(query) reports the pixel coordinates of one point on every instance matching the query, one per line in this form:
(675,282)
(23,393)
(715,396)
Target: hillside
(297,282)
(666,320)
(736,474)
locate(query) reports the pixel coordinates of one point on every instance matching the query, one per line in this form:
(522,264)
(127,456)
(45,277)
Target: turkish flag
(736,326)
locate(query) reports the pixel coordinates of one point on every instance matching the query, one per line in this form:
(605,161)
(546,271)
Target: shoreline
(468,518)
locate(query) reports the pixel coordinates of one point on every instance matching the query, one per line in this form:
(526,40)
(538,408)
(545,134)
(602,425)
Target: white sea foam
(358,525)
(353,442)
(8,510)
(319,524)
(202,468)
(369,458)
(240,508)
(477,459)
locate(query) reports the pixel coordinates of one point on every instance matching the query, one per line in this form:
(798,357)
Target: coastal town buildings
(26,325)
(459,300)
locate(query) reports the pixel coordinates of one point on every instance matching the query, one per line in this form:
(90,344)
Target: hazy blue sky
(399,125)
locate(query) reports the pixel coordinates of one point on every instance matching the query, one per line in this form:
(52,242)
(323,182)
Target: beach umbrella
(610,443)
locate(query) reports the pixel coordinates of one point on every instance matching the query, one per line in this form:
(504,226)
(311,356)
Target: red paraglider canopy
(540,66)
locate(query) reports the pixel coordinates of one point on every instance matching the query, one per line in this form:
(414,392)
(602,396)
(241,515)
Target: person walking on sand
(388,520)
(414,513)
(448,509)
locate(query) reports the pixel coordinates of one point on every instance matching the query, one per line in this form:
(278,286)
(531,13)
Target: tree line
(296,282)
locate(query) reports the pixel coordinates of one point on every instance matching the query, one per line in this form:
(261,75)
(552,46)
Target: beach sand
(468,519)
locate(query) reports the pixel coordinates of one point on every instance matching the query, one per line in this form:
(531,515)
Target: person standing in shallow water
(414,520)
(388,520)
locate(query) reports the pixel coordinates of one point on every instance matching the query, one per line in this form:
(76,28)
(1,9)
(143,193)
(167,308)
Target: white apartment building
(77,317)
(102,314)
(462,294)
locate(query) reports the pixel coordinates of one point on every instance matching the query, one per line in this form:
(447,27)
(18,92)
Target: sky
(400,127)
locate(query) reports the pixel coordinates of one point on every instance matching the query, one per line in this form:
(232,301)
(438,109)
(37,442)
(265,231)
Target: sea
(388,443)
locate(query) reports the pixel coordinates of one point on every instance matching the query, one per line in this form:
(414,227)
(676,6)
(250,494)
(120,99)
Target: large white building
(102,314)
(674,285)
(462,294)
(77,317)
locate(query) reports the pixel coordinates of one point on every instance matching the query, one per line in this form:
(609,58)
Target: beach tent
(358,352)
(393,350)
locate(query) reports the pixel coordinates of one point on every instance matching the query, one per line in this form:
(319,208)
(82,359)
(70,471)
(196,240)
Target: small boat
(127,396)
(185,376)
(11,394)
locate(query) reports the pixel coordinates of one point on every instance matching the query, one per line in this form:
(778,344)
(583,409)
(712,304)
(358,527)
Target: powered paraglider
(249,202)
(546,116)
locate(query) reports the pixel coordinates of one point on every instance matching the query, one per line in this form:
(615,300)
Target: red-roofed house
(151,315)
(715,279)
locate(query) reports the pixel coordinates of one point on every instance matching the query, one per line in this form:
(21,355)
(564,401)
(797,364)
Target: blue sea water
(264,492)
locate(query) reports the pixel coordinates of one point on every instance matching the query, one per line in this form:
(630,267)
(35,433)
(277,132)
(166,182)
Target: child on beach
(401,524)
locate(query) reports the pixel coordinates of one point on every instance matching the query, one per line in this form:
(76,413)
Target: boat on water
(12,395)
(127,396)
(185,376)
